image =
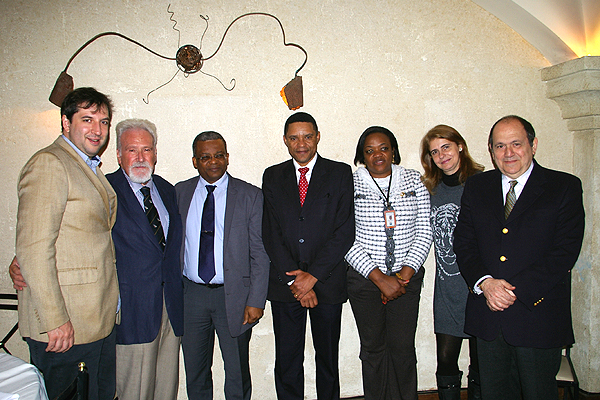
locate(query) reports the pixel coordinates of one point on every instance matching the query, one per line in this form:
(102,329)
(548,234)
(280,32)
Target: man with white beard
(147,236)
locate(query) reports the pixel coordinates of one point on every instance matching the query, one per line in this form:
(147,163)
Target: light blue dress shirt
(193,224)
(91,162)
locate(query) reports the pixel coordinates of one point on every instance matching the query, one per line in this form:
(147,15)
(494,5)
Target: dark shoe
(474,388)
(448,387)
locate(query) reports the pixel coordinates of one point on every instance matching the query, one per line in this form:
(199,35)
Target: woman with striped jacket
(393,236)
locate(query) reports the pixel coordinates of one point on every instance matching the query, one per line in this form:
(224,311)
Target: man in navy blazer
(149,271)
(232,299)
(306,238)
(518,236)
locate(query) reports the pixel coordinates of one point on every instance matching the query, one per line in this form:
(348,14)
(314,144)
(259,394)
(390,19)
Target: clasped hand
(302,288)
(498,294)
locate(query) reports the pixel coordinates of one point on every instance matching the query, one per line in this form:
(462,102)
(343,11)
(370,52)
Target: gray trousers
(204,314)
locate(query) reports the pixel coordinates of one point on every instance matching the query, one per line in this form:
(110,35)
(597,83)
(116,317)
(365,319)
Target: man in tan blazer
(66,211)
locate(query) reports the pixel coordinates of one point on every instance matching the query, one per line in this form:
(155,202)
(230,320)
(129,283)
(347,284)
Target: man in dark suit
(518,236)
(148,267)
(308,226)
(225,269)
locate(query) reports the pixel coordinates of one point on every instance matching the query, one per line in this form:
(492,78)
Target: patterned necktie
(511,199)
(302,184)
(206,255)
(152,215)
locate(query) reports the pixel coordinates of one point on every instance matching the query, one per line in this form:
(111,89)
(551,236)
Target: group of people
(171,264)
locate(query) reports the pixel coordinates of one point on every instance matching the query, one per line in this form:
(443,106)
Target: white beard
(140,176)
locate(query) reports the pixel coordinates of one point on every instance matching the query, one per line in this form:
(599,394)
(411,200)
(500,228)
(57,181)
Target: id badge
(390,218)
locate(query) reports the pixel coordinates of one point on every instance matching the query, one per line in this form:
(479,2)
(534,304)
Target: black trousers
(509,372)
(289,325)
(387,337)
(60,369)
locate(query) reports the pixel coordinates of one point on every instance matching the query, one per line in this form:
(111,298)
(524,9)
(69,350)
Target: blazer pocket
(78,276)
(246,281)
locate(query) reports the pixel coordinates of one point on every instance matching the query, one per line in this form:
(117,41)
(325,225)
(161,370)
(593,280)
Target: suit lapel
(290,185)
(317,179)
(169,205)
(186,199)
(496,198)
(98,180)
(132,208)
(531,192)
(232,193)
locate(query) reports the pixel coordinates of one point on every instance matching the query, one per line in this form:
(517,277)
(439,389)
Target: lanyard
(387,205)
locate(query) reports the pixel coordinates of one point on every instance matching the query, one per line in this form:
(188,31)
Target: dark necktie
(152,215)
(302,184)
(511,199)
(206,256)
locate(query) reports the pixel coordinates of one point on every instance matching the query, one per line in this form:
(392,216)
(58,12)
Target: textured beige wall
(404,64)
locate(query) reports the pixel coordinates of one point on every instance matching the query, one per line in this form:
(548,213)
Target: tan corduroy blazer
(64,246)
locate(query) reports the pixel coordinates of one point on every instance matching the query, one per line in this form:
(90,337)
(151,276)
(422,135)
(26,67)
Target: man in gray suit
(225,269)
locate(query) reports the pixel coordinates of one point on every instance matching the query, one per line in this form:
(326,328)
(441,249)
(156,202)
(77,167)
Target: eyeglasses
(207,158)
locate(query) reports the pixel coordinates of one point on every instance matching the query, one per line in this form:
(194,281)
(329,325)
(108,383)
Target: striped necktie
(511,199)
(152,215)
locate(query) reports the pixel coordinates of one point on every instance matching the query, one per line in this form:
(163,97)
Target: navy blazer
(534,250)
(146,272)
(315,237)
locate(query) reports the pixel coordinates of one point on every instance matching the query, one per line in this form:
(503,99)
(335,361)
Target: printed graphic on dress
(443,221)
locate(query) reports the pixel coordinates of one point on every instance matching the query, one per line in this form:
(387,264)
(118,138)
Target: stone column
(575,86)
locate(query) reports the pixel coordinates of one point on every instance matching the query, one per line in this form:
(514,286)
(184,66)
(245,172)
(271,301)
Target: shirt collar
(310,165)
(92,162)
(521,180)
(137,186)
(221,183)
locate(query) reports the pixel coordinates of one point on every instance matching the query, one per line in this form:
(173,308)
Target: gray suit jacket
(245,262)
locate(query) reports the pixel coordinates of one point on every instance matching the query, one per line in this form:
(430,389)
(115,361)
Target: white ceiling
(560,29)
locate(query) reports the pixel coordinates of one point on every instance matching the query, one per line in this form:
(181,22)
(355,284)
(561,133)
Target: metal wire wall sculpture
(189,60)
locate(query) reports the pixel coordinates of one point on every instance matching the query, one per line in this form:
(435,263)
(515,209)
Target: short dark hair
(84,97)
(300,116)
(206,136)
(359,157)
(526,125)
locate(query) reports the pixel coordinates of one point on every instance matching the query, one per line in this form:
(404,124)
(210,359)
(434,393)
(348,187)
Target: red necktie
(302,184)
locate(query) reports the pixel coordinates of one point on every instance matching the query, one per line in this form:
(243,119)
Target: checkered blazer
(412,235)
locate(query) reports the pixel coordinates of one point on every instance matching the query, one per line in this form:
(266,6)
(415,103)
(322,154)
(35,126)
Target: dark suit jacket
(144,270)
(540,241)
(313,238)
(245,262)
